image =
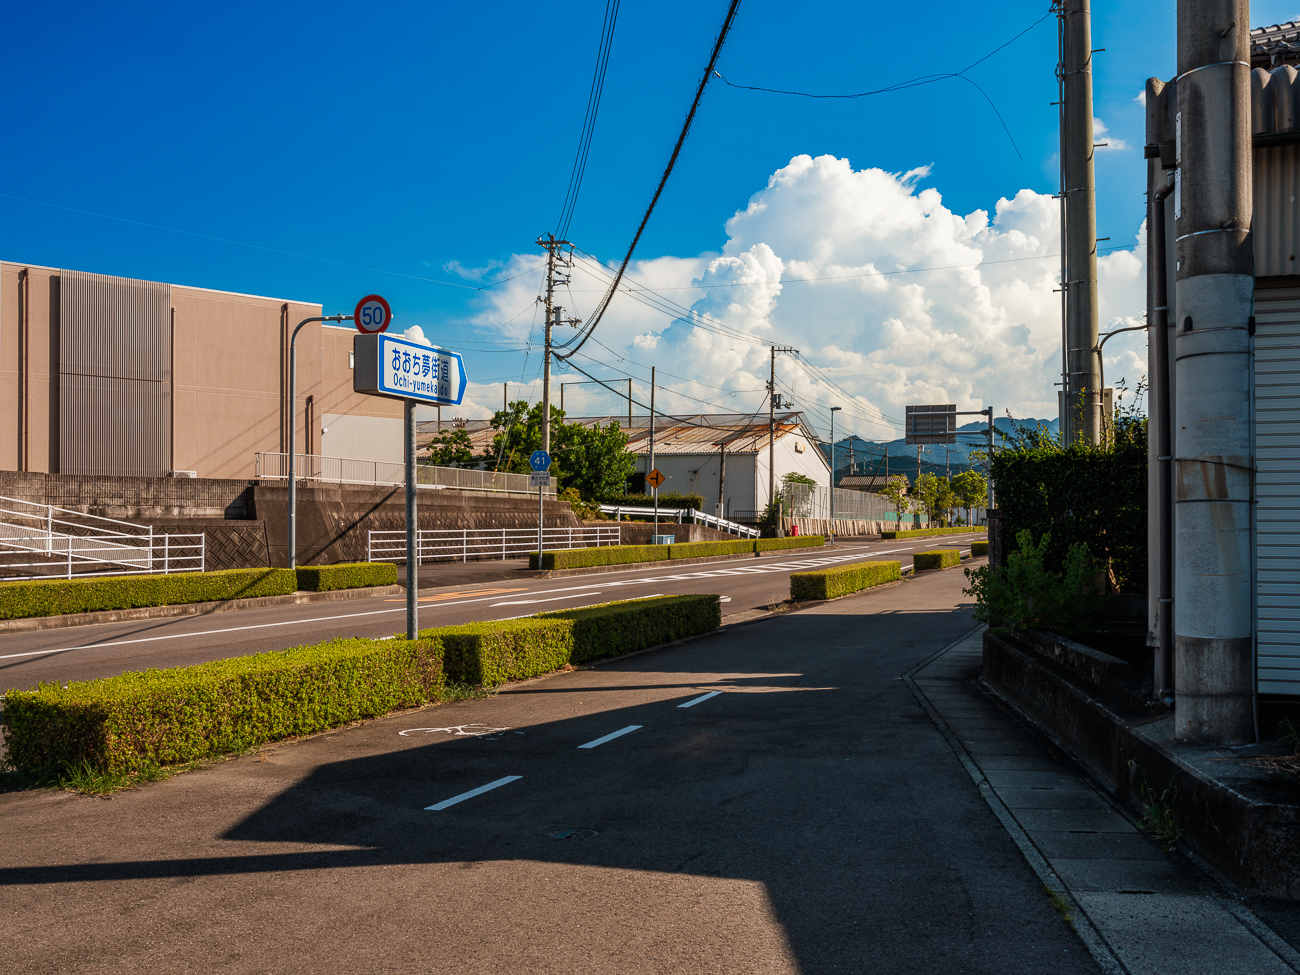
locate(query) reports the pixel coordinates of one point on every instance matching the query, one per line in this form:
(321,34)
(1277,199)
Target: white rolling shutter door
(1277,440)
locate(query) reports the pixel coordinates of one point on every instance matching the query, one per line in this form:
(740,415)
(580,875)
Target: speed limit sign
(372,315)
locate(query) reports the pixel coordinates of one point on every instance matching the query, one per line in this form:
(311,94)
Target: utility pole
(1214,449)
(771,423)
(652,443)
(554,258)
(1081,397)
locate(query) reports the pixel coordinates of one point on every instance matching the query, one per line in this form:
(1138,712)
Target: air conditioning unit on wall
(182,473)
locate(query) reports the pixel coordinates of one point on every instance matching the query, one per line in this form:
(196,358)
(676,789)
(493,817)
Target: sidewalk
(1137,908)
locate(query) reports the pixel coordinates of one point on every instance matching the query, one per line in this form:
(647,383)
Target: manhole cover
(573,833)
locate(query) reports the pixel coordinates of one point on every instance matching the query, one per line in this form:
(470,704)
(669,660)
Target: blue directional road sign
(540,460)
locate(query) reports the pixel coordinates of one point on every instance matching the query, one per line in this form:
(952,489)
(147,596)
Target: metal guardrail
(679,515)
(345,470)
(62,542)
(481,544)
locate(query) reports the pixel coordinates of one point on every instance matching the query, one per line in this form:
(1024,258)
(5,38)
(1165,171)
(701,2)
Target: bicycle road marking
(475,730)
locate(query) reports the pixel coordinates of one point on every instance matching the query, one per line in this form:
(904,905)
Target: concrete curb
(633,566)
(32,623)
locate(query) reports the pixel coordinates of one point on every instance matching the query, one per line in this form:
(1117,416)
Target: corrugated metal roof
(743,433)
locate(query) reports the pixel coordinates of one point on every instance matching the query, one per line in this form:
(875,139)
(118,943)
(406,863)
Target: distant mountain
(858,456)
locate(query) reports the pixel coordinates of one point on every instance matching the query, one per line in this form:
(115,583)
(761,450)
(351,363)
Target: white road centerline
(612,735)
(553,599)
(504,780)
(702,697)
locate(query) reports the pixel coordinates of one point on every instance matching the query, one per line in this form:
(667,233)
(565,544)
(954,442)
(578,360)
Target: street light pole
(293,400)
(834,410)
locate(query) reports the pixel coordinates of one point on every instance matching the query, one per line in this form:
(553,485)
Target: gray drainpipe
(1159,329)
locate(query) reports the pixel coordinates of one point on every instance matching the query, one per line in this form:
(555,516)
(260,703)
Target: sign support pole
(652,445)
(540,514)
(412,527)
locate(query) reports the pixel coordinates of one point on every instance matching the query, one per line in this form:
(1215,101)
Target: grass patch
(926,532)
(841,580)
(792,541)
(940,558)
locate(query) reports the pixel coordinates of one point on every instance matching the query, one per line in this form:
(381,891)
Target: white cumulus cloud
(893,297)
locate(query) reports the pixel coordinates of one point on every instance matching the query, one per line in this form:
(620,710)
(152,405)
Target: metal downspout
(1159,329)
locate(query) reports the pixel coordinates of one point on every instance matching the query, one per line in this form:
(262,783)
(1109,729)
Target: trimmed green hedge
(348,575)
(978,548)
(667,500)
(940,558)
(164,717)
(793,541)
(612,629)
(842,579)
(493,653)
(55,597)
(581,558)
(695,550)
(926,532)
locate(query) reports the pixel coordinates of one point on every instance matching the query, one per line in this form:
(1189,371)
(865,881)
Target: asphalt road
(802,814)
(87,652)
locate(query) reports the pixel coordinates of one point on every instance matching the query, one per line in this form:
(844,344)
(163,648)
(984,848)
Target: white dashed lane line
(611,736)
(504,780)
(702,697)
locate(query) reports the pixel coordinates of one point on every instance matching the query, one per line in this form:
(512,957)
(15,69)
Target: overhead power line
(663,180)
(913,83)
(589,121)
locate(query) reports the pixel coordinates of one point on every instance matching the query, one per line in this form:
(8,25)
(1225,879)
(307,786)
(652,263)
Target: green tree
(452,448)
(970,488)
(935,496)
(896,493)
(593,460)
(797,490)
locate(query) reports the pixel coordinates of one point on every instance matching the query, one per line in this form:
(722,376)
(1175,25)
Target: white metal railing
(59,541)
(347,470)
(480,544)
(679,515)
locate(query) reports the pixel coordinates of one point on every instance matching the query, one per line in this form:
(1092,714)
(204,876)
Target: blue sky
(415,138)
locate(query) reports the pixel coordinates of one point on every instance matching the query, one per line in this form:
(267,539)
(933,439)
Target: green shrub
(347,575)
(581,558)
(939,558)
(926,532)
(55,597)
(797,541)
(842,579)
(695,550)
(611,629)
(138,721)
(978,549)
(495,652)
(1026,594)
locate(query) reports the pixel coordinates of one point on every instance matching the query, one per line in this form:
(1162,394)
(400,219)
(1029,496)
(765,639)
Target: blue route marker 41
(540,460)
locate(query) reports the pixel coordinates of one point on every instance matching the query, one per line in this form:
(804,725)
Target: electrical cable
(594,321)
(589,121)
(913,83)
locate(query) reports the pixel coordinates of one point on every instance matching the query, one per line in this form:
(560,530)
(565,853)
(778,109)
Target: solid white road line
(553,599)
(611,736)
(504,780)
(702,697)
